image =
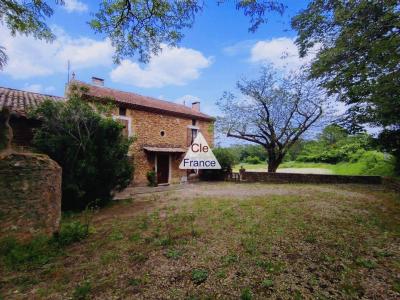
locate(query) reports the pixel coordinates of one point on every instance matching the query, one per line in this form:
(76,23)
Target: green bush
(71,233)
(377,163)
(226,159)
(334,145)
(89,147)
(254,160)
(151,178)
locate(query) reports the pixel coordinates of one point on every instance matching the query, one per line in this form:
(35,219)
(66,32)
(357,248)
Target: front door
(162,168)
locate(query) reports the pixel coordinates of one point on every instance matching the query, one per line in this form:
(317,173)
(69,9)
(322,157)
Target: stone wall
(30,195)
(147,127)
(307,178)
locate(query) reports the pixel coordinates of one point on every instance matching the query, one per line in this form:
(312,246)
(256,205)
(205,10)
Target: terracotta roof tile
(20,101)
(141,102)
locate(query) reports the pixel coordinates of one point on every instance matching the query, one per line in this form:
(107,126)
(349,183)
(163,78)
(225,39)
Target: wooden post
(242,172)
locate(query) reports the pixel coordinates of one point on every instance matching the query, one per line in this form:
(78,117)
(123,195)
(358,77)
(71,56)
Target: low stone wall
(30,195)
(307,178)
(392,183)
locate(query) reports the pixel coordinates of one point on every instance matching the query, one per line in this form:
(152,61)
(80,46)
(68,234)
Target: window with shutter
(126,123)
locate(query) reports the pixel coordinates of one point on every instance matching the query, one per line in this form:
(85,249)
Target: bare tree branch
(275,111)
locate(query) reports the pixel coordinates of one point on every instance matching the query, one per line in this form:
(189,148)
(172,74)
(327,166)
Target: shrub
(151,178)
(71,233)
(254,160)
(90,148)
(226,159)
(377,163)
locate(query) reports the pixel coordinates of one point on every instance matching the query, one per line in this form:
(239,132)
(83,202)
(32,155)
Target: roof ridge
(7,88)
(133,93)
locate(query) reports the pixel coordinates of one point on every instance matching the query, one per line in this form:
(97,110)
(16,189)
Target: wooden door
(162,168)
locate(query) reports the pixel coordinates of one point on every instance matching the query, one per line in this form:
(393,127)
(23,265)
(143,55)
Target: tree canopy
(26,17)
(143,27)
(136,28)
(359,57)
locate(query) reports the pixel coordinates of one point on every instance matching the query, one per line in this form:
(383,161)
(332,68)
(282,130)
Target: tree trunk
(272,166)
(274,160)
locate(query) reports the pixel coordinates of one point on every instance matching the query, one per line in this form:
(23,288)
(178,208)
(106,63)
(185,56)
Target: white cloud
(238,48)
(38,88)
(173,66)
(29,57)
(74,6)
(281,52)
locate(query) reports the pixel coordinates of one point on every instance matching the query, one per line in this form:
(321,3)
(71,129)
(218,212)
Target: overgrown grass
(41,250)
(298,242)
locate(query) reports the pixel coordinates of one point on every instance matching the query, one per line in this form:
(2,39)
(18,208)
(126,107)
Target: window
(126,123)
(122,111)
(194,122)
(194,134)
(162,132)
(191,133)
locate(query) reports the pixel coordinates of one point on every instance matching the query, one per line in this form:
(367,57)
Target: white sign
(199,156)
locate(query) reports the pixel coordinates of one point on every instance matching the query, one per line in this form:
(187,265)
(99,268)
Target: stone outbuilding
(19,102)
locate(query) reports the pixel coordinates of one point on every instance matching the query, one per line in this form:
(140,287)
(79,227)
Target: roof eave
(152,109)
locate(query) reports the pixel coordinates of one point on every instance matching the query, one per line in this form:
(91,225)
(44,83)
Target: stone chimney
(97,81)
(196,105)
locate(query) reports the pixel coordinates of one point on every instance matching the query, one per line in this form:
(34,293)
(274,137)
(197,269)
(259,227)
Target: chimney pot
(196,105)
(97,81)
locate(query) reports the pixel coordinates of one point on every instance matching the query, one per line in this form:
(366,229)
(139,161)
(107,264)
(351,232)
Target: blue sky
(213,55)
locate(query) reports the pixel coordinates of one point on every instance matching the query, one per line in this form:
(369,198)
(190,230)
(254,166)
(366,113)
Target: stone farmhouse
(163,130)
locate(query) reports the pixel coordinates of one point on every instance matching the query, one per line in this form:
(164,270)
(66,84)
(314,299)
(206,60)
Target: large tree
(25,17)
(273,111)
(359,57)
(143,26)
(135,27)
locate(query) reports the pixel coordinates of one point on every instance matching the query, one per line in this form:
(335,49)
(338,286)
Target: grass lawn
(227,241)
(343,168)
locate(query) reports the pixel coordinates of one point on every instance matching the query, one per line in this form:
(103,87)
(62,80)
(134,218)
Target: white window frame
(125,118)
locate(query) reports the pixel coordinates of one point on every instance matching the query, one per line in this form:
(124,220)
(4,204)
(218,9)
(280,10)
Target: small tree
(89,147)
(274,112)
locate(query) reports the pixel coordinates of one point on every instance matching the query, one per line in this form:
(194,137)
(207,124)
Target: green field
(345,168)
